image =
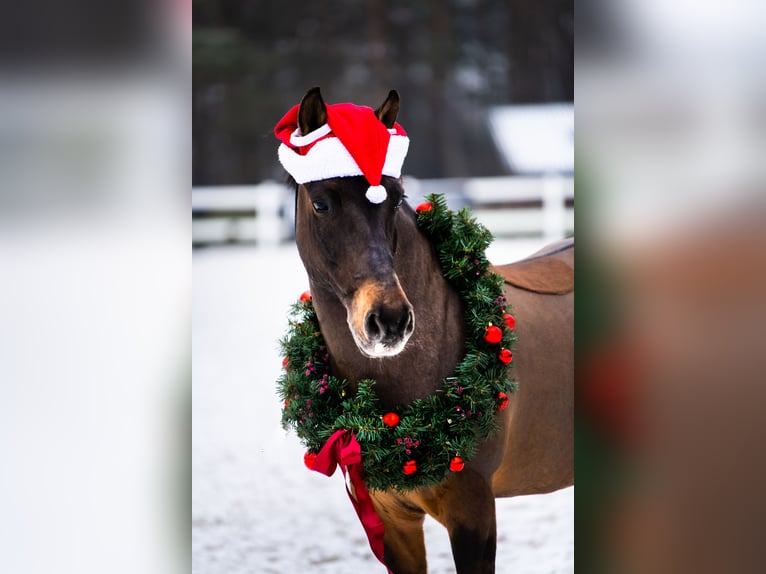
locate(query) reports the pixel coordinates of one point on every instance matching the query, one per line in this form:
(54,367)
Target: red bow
(342,449)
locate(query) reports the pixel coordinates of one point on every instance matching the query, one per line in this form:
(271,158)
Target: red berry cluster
(466,413)
(323,384)
(309,412)
(409,443)
(476,266)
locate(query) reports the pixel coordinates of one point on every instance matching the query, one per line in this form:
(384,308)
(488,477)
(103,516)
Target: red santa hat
(352,142)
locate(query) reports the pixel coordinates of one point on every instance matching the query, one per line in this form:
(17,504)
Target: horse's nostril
(388,324)
(410,323)
(405,323)
(372,326)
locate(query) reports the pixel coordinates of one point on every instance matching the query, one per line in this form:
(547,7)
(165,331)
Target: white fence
(508,206)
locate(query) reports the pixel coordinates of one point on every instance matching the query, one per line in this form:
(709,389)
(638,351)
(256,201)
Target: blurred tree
(450,61)
(540,50)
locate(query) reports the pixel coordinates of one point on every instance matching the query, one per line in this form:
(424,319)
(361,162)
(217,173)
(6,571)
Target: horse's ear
(389,109)
(313,112)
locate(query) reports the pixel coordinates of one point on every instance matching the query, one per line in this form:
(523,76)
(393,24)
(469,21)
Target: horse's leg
(405,550)
(473,548)
(466,507)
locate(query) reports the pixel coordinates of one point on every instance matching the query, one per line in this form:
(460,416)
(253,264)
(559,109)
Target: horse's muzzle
(381,319)
(389,326)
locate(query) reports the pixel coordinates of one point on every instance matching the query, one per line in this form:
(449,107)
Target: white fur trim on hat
(298,140)
(376,194)
(329,158)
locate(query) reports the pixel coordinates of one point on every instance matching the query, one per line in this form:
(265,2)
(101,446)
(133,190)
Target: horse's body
(372,272)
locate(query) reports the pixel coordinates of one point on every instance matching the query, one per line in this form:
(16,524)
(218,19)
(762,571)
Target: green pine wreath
(419,444)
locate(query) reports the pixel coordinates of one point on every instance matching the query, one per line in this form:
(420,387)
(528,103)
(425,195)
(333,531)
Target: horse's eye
(320,206)
(401,200)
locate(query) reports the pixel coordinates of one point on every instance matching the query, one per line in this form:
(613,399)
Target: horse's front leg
(405,550)
(474,546)
(466,507)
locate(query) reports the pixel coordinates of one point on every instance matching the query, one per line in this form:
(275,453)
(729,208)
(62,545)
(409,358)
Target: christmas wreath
(419,444)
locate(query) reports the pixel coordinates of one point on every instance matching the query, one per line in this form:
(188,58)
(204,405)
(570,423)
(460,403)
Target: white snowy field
(255,507)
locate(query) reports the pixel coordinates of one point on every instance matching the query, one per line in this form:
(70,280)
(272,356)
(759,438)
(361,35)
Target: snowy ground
(256,509)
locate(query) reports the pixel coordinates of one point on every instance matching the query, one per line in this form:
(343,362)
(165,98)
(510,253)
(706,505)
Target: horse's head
(347,239)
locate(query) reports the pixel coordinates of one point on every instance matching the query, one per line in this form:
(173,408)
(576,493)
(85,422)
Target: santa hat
(352,142)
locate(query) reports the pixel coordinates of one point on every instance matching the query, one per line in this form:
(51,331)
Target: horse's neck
(436,344)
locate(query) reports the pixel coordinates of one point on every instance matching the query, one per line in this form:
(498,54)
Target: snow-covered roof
(535,138)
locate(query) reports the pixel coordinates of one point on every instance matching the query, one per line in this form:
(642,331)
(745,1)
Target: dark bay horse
(387,313)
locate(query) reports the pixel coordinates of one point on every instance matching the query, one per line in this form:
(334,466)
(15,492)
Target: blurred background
(486,87)
(671,141)
(452,62)
(95,288)
(487,101)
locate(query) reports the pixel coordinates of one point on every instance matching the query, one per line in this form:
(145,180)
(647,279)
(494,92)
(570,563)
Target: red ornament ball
(306,296)
(410,467)
(456,464)
(287,403)
(309,459)
(505,356)
(502,401)
(285,361)
(510,322)
(391,419)
(425,206)
(493,335)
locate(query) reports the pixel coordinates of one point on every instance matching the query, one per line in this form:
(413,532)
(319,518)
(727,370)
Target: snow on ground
(255,507)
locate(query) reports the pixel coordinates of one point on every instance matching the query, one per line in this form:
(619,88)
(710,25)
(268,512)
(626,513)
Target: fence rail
(508,206)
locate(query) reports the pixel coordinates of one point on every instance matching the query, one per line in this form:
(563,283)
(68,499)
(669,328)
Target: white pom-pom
(376,194)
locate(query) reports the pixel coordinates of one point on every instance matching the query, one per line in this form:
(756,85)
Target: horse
(386,312)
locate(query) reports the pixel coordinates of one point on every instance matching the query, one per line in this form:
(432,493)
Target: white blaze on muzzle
(367,299)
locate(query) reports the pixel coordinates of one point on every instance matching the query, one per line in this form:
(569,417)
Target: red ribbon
(342,449)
